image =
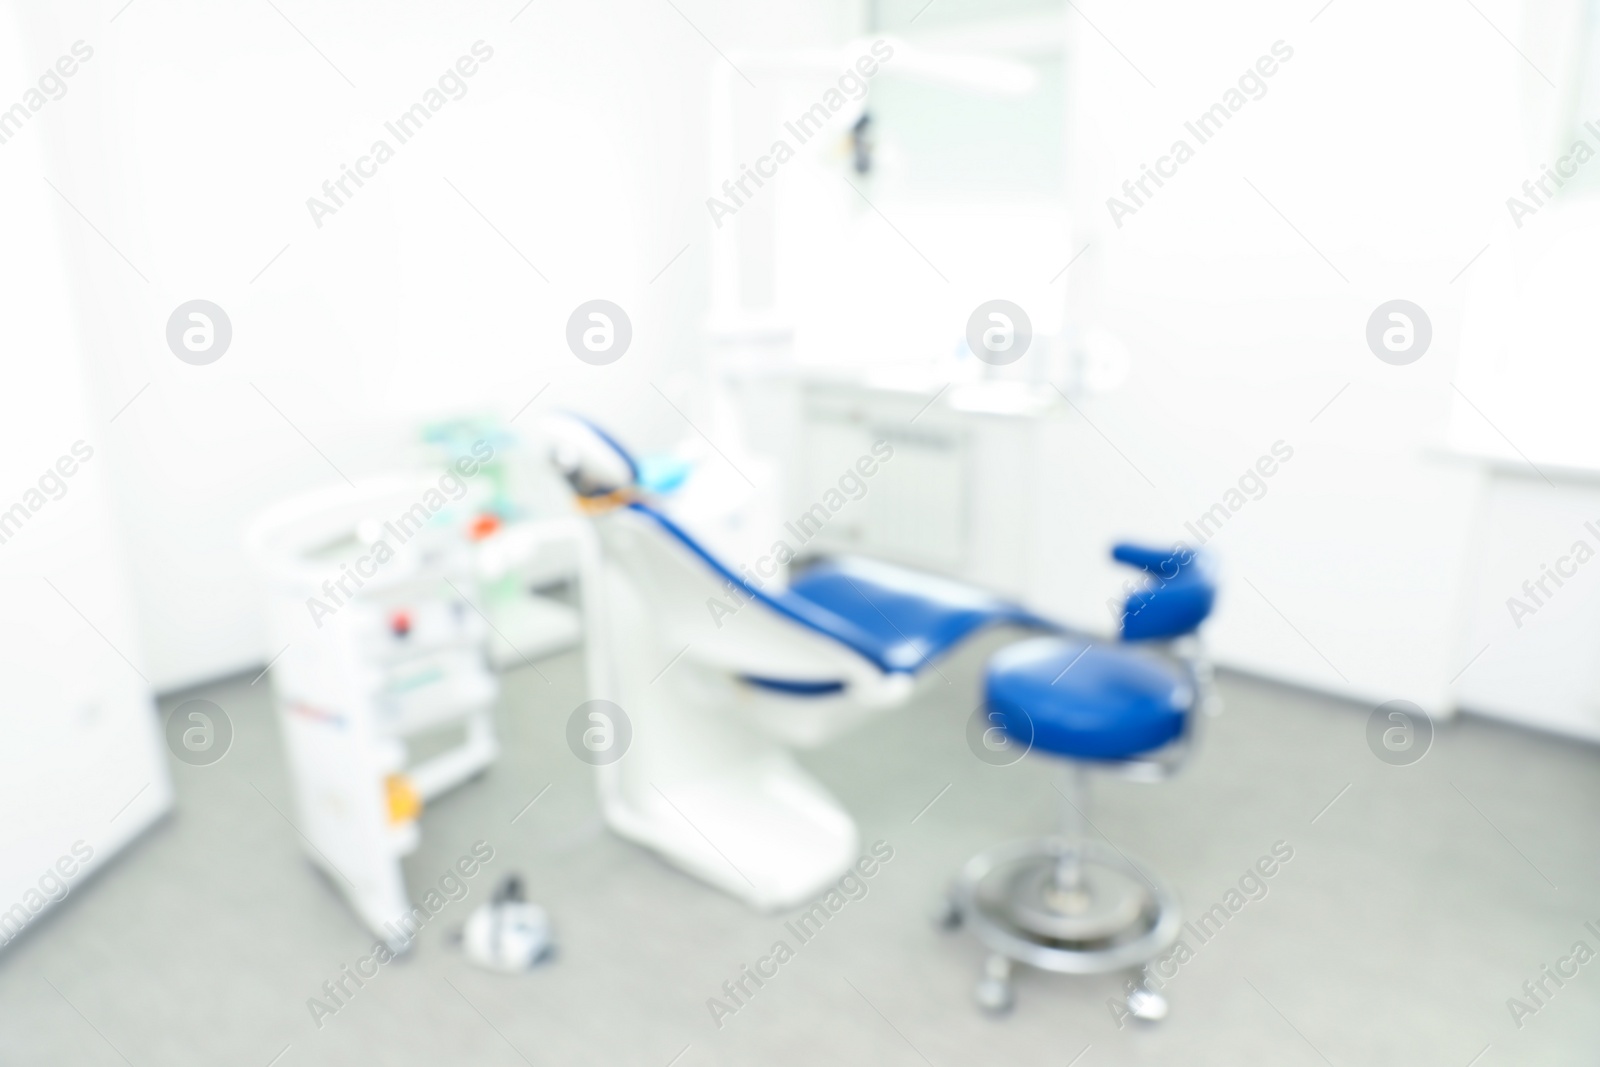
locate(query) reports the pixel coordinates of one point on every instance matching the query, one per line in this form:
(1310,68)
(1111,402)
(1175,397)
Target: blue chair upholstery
(1086,700)
(900,620)
(912,617)
(1180,594)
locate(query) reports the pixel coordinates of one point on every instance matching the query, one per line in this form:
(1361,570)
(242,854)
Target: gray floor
(1412,909)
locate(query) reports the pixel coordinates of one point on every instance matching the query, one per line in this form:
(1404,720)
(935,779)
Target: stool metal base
(1081,908)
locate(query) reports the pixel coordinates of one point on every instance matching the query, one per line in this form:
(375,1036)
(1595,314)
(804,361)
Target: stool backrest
(1179,594)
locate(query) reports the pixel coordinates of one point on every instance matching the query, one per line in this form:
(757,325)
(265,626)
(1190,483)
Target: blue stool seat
(1085,699)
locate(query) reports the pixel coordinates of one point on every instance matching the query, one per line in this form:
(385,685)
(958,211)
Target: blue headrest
(1179,596)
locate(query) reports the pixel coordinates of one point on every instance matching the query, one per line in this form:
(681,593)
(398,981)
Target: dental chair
(717,696)
(1069,903)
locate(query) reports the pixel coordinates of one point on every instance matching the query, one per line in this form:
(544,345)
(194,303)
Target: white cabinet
(913,508)
(955,496)
(1531,624)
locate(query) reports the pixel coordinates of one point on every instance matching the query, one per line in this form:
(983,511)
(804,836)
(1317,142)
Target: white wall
(82,764)
(193,138)
(1374,167)
(1387,142)
(192,141)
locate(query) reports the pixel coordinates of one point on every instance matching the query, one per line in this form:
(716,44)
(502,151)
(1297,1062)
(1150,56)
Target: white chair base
(764,831)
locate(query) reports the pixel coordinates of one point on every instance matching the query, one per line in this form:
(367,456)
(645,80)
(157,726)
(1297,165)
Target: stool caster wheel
(994,992)
(1145,1003)
(948,915)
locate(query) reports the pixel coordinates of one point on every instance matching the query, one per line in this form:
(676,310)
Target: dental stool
(1067,903)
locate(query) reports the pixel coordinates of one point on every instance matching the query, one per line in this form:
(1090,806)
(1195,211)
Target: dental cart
(371,599)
